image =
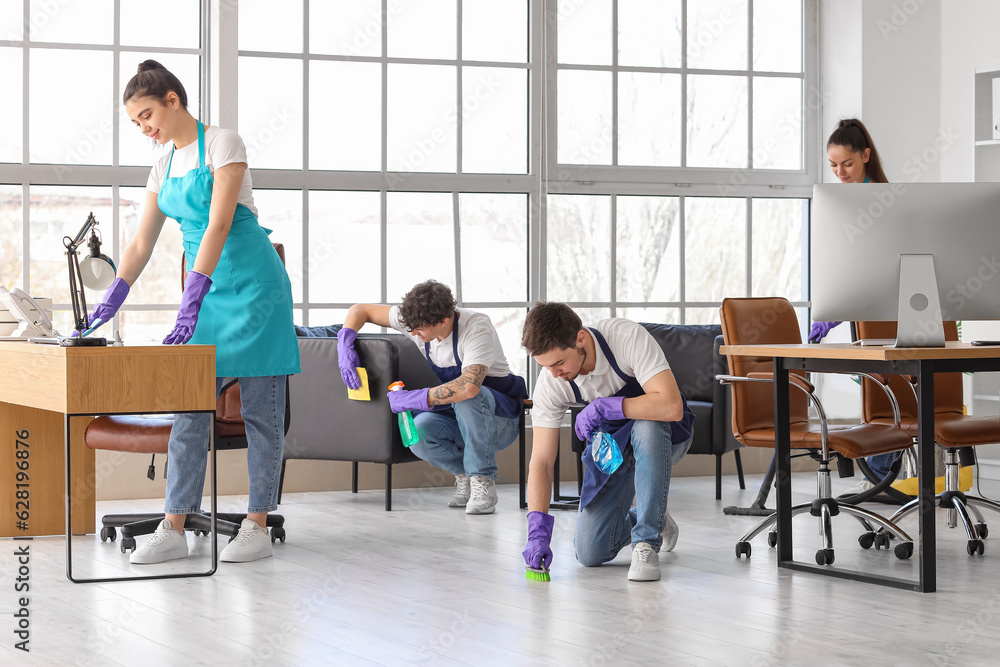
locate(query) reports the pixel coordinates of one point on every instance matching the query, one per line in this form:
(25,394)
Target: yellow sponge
(361,393)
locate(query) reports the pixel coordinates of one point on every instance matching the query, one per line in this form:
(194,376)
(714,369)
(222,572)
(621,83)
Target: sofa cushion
(701,443)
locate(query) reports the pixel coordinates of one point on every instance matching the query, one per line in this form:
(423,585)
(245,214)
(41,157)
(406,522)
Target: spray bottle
(407,429)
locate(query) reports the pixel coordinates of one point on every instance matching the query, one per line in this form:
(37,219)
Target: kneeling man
(473,413)
(619,370)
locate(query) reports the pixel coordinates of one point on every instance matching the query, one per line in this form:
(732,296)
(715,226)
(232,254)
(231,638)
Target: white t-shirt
(637,354)
(478,343)
(222,147)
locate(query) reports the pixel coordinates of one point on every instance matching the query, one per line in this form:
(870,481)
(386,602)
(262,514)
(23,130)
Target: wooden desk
(842,357)
(47,391)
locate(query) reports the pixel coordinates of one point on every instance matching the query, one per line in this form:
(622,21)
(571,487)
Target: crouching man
(620,372)
(473,413)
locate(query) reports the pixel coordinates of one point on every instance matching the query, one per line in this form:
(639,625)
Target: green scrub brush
(537,573)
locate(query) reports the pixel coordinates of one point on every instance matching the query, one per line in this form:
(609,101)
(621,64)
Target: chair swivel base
(826,508)
(227,524)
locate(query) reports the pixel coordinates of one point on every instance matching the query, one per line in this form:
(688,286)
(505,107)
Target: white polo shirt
(638,355)
(478,343)
(222,147)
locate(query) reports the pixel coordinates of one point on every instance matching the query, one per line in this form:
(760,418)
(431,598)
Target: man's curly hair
(426,305)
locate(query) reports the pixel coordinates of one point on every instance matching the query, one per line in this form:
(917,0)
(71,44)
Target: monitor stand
(919,322)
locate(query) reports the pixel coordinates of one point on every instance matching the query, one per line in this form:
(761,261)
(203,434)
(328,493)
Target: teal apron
(247,315)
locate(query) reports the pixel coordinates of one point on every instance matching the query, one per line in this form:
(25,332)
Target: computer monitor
(940,241)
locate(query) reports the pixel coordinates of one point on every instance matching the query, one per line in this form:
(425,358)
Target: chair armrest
(803,383)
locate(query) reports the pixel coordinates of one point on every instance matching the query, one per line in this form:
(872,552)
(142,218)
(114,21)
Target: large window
(642,158)
(68,149)
(675,125)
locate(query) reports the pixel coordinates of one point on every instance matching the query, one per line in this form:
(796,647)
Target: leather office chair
(773,320)
(150,435)
(954,431)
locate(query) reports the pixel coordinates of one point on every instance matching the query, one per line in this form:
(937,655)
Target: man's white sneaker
(670,532)
(861,486)
(461,496)
(251,543)
(645,563)
(483,498)
(165,544)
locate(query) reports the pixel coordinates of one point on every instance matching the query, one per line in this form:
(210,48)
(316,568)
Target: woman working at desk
(237,296)
(854,159)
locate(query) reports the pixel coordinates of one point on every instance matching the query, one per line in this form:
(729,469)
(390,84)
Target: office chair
(771,321)
(150,435)
(954,431)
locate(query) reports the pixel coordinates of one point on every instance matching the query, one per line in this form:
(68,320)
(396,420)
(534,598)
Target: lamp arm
(74,243)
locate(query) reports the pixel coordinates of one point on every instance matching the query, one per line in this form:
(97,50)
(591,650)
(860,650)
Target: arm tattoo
(446,393)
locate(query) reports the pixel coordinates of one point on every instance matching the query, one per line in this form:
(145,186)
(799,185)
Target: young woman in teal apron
(237,297)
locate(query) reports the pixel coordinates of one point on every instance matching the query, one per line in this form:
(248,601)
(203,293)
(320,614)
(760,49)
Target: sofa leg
(388,487)
(354,476)
(718,476)
(281,480)
(739,468)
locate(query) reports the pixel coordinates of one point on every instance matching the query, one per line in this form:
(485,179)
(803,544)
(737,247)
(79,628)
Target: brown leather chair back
(948,390)
(759,321)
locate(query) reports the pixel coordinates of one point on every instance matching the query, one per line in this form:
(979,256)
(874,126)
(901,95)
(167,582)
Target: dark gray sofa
(327,426)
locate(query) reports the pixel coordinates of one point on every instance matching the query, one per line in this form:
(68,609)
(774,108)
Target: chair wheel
(108,533)
(881,541)
(824,557)
(772,538)
(982,531)
(742,548)
(278,533)
(128,544)
(975,546)
(867,540)
(903,550)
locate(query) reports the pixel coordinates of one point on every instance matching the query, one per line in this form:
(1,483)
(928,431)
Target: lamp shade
(97,272)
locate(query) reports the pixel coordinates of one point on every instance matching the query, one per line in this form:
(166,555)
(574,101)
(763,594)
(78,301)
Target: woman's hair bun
(147,65)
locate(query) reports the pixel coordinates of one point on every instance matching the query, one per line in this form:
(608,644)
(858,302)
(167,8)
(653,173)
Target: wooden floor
(429,585)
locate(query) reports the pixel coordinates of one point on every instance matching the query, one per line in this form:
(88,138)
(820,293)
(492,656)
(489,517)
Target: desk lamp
(95,272)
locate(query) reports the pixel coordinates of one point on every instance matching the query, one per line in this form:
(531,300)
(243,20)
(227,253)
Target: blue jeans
(880,463)
(607,524)
(263,400)
(468,440)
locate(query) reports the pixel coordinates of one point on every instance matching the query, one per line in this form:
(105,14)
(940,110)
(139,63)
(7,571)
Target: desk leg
(783,454)
(925,492)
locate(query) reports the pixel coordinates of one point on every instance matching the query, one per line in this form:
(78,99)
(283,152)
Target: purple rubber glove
(599,409)
(404,399)
(819,330)
(539,538)
(347,357)
(109,305)
(196,286)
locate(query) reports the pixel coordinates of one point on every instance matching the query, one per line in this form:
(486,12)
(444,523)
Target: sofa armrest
(326,425)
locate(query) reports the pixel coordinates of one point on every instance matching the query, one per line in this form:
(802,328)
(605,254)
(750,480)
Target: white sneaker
(251,543)
(461,496)
(165,544)
(645,563)
(670,532)
(861,486)
(483,498)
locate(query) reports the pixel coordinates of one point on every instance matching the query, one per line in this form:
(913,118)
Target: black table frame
(924,370)
(69,502)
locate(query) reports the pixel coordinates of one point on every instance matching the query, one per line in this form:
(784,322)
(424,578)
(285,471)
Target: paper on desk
(361,393)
